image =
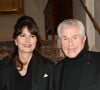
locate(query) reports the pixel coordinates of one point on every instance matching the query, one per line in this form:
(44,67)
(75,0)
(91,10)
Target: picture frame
(10,7)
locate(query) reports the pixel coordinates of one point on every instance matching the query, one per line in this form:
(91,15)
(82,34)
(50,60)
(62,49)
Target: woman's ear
(15,42)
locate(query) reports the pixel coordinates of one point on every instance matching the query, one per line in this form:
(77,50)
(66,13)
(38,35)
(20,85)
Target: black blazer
(80,76)
(39,80)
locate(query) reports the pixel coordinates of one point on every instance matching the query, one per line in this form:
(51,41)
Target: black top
(79,73)
(24,82)
(40,68)
(82,58)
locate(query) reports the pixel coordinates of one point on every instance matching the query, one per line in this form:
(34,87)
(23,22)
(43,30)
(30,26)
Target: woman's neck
(25,57)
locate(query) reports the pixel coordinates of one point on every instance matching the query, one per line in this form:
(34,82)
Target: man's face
(71,41)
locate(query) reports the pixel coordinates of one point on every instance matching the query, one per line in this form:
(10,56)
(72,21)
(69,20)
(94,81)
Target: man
(79,69)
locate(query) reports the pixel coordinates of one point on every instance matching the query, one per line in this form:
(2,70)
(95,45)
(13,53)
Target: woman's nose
(27,39)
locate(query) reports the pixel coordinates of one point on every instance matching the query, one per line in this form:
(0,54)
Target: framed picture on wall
(8,7)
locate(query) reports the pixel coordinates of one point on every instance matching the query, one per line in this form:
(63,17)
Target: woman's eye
(22,35)
(33,36)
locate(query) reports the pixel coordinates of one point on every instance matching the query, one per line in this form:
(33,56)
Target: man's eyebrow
(64,35)
(76,35)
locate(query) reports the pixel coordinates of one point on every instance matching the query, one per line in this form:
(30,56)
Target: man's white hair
(70,23)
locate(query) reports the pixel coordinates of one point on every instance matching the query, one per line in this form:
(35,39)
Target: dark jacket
(39,81)
(80,73)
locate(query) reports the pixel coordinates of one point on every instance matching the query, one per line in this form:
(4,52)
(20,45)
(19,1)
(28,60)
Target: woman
(26,69)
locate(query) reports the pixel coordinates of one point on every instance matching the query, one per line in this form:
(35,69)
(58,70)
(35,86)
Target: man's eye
(64,38)
(75,37)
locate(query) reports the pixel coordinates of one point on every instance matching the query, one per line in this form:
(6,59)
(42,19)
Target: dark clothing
(24,82)
(80,73)
(39,79)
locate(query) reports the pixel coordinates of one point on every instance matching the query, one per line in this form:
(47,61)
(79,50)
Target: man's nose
(70,42)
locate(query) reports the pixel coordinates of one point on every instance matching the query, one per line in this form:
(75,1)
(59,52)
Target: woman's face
(26,42)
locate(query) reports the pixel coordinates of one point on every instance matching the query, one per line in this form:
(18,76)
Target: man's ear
(84,39)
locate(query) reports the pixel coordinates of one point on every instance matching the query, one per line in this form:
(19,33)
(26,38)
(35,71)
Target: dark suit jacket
(78,75)
(41,75)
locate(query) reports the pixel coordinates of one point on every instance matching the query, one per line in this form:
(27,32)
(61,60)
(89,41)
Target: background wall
(79,12)
(97,17)
(33,8)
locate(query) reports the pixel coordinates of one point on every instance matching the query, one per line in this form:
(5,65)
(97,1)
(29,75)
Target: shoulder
(42,65)
(5,66)
(94,56)
(94,52)
(3,63)
(46,61)
(61,63)
(42,62)
(39,59)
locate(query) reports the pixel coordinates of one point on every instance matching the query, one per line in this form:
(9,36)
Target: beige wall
(33,8)
(97,17)
(79,13)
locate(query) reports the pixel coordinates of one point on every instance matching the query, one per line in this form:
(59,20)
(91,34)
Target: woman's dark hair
(24,21)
